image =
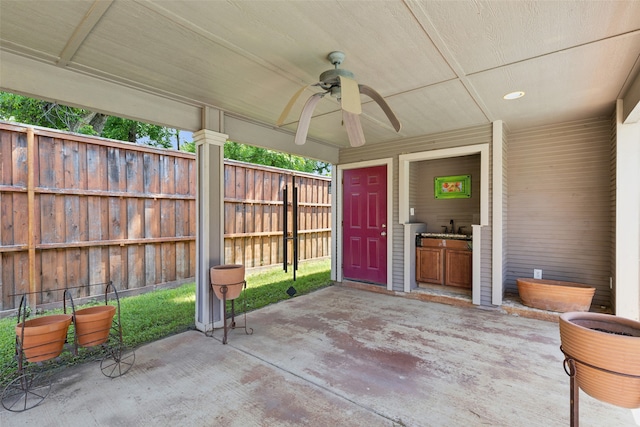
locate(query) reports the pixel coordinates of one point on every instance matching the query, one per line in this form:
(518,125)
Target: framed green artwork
(452,187)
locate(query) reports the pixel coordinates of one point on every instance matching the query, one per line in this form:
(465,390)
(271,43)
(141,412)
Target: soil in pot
(93,324)
(43,337)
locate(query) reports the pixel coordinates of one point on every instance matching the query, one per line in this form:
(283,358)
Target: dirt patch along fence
(77,211)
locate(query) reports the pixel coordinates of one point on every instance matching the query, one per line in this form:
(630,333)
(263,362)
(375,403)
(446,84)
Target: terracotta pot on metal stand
(602,357)
(93,324)
(227,282)
(43,338)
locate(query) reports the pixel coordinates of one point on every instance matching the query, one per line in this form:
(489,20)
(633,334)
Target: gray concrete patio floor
(337,357)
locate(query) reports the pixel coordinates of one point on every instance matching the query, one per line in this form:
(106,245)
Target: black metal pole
(574,391)
(295,229)
(285,220)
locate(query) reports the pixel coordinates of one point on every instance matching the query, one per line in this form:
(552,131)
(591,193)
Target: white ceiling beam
(89,21)
(245,131)
(422,17)
(44,81)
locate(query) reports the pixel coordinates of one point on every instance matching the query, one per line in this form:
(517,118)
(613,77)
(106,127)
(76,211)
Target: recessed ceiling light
(514,95)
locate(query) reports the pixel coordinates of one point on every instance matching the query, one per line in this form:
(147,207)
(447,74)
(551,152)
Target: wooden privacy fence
(253,210)
(77,211)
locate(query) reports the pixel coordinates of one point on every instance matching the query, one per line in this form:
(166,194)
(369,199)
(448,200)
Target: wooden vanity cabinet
(444,262)
(430,265)
(458,268)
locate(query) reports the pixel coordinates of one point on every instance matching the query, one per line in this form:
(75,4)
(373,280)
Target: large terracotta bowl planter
(228,276)
(43,338)
(606,353)
(555,295)
(93,324)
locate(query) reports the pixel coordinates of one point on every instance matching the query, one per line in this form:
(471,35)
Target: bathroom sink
(446,236)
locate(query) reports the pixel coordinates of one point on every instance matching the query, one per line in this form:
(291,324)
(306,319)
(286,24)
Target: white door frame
(403,196)
(337,225)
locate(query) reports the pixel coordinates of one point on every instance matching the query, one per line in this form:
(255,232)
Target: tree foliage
(62,117)
(132,131)
(263,156)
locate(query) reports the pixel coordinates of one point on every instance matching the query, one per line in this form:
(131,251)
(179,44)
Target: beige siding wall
(470,136)
(560,204)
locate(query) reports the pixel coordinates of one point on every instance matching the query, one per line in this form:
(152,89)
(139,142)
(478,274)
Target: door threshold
(366,286)
(442,294)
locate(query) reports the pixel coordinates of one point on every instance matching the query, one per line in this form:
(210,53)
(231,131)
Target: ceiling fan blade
(305,118)
(289,105)
(366,90)
(350,95)
(354,128)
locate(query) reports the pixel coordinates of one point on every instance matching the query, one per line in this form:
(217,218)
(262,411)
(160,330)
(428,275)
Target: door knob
(384,233)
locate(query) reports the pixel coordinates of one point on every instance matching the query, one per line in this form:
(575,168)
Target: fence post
(31,206)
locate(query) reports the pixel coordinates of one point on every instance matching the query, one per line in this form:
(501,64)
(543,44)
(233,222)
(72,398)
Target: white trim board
(403,193)
(406,159)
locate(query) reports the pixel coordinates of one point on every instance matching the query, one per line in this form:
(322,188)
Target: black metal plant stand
(33,381)
(569,365)
(227,326)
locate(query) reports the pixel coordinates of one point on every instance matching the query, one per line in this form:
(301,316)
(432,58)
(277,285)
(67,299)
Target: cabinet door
(430,265)
(458,268)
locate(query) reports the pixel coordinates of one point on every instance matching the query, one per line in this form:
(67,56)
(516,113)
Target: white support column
(627,217)
(209,223)
(497,229)
(334,223)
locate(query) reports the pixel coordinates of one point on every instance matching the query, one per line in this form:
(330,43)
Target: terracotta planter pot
(93,324)
(607,363)
(43,337)
(229,275)
(555,295)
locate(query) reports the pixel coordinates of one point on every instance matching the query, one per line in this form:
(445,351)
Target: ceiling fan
(341,84)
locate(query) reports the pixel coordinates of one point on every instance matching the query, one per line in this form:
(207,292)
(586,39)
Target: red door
(364,218)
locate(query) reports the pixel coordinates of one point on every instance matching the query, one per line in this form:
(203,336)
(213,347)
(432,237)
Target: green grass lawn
(154,315)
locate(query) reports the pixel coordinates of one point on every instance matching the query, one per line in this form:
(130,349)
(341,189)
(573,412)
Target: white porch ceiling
(441,65)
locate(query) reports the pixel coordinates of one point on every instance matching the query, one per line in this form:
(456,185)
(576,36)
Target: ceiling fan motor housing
(330,78)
